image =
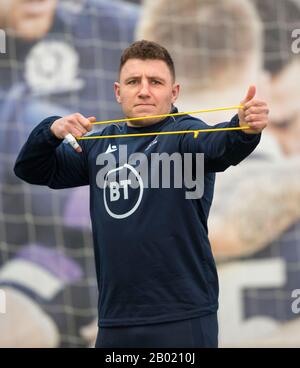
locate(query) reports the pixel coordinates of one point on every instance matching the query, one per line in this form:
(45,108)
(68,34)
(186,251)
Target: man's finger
(256,110)
(72,141)
(250,95)
(92,119)
(255,117)
(76,129)
(85,122)
(76,132)
(254,103)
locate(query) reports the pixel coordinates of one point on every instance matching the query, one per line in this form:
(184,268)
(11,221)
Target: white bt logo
(115,189)
(118,191)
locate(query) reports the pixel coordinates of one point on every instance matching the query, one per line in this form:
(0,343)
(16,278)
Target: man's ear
(175,92)
(117,91)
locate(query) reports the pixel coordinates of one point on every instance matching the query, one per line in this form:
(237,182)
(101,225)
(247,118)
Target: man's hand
(76,125)
(254,114)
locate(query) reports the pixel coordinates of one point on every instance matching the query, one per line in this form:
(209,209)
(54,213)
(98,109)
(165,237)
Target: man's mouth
(143,105)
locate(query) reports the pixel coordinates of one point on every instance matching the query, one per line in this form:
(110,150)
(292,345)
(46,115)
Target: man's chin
(144,122)
(144,110)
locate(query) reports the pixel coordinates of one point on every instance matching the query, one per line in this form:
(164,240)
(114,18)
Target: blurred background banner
(58,57)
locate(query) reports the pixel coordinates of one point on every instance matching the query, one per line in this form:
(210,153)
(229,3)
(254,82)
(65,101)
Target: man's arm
(221,149)
(225,148)
(45,160)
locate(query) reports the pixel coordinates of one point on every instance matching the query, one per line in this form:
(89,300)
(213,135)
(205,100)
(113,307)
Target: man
(157,279)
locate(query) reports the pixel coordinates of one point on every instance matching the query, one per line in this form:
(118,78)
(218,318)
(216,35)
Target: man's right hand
(76,125)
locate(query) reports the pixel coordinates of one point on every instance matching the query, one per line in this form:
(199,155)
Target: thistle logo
(2,302)
(53,66)
(2,42)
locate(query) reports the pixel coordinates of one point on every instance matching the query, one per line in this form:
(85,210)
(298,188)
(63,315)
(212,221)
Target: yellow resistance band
(195,132)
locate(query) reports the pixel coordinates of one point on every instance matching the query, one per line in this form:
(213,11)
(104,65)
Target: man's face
(146,87)
(285,108)
(27,19)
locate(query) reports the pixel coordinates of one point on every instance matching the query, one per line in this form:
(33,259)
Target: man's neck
(143,123)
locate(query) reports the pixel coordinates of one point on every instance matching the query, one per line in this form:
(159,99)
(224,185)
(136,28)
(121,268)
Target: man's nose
(144,90)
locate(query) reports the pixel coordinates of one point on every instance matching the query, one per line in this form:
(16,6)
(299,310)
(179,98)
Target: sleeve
(46,160)
(221,149)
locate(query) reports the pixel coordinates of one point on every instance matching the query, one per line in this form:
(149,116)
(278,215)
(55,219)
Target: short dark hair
(147,50)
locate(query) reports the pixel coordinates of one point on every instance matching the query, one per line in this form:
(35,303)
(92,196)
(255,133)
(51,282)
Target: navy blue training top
(153,258)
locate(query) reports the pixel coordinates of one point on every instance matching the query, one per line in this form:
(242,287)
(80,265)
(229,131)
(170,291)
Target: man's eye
(132,82)
(155,82)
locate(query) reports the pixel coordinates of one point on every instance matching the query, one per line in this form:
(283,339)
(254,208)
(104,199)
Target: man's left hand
(254,114)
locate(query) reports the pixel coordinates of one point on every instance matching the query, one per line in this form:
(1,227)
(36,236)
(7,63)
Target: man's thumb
(92,119)
(250,94)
